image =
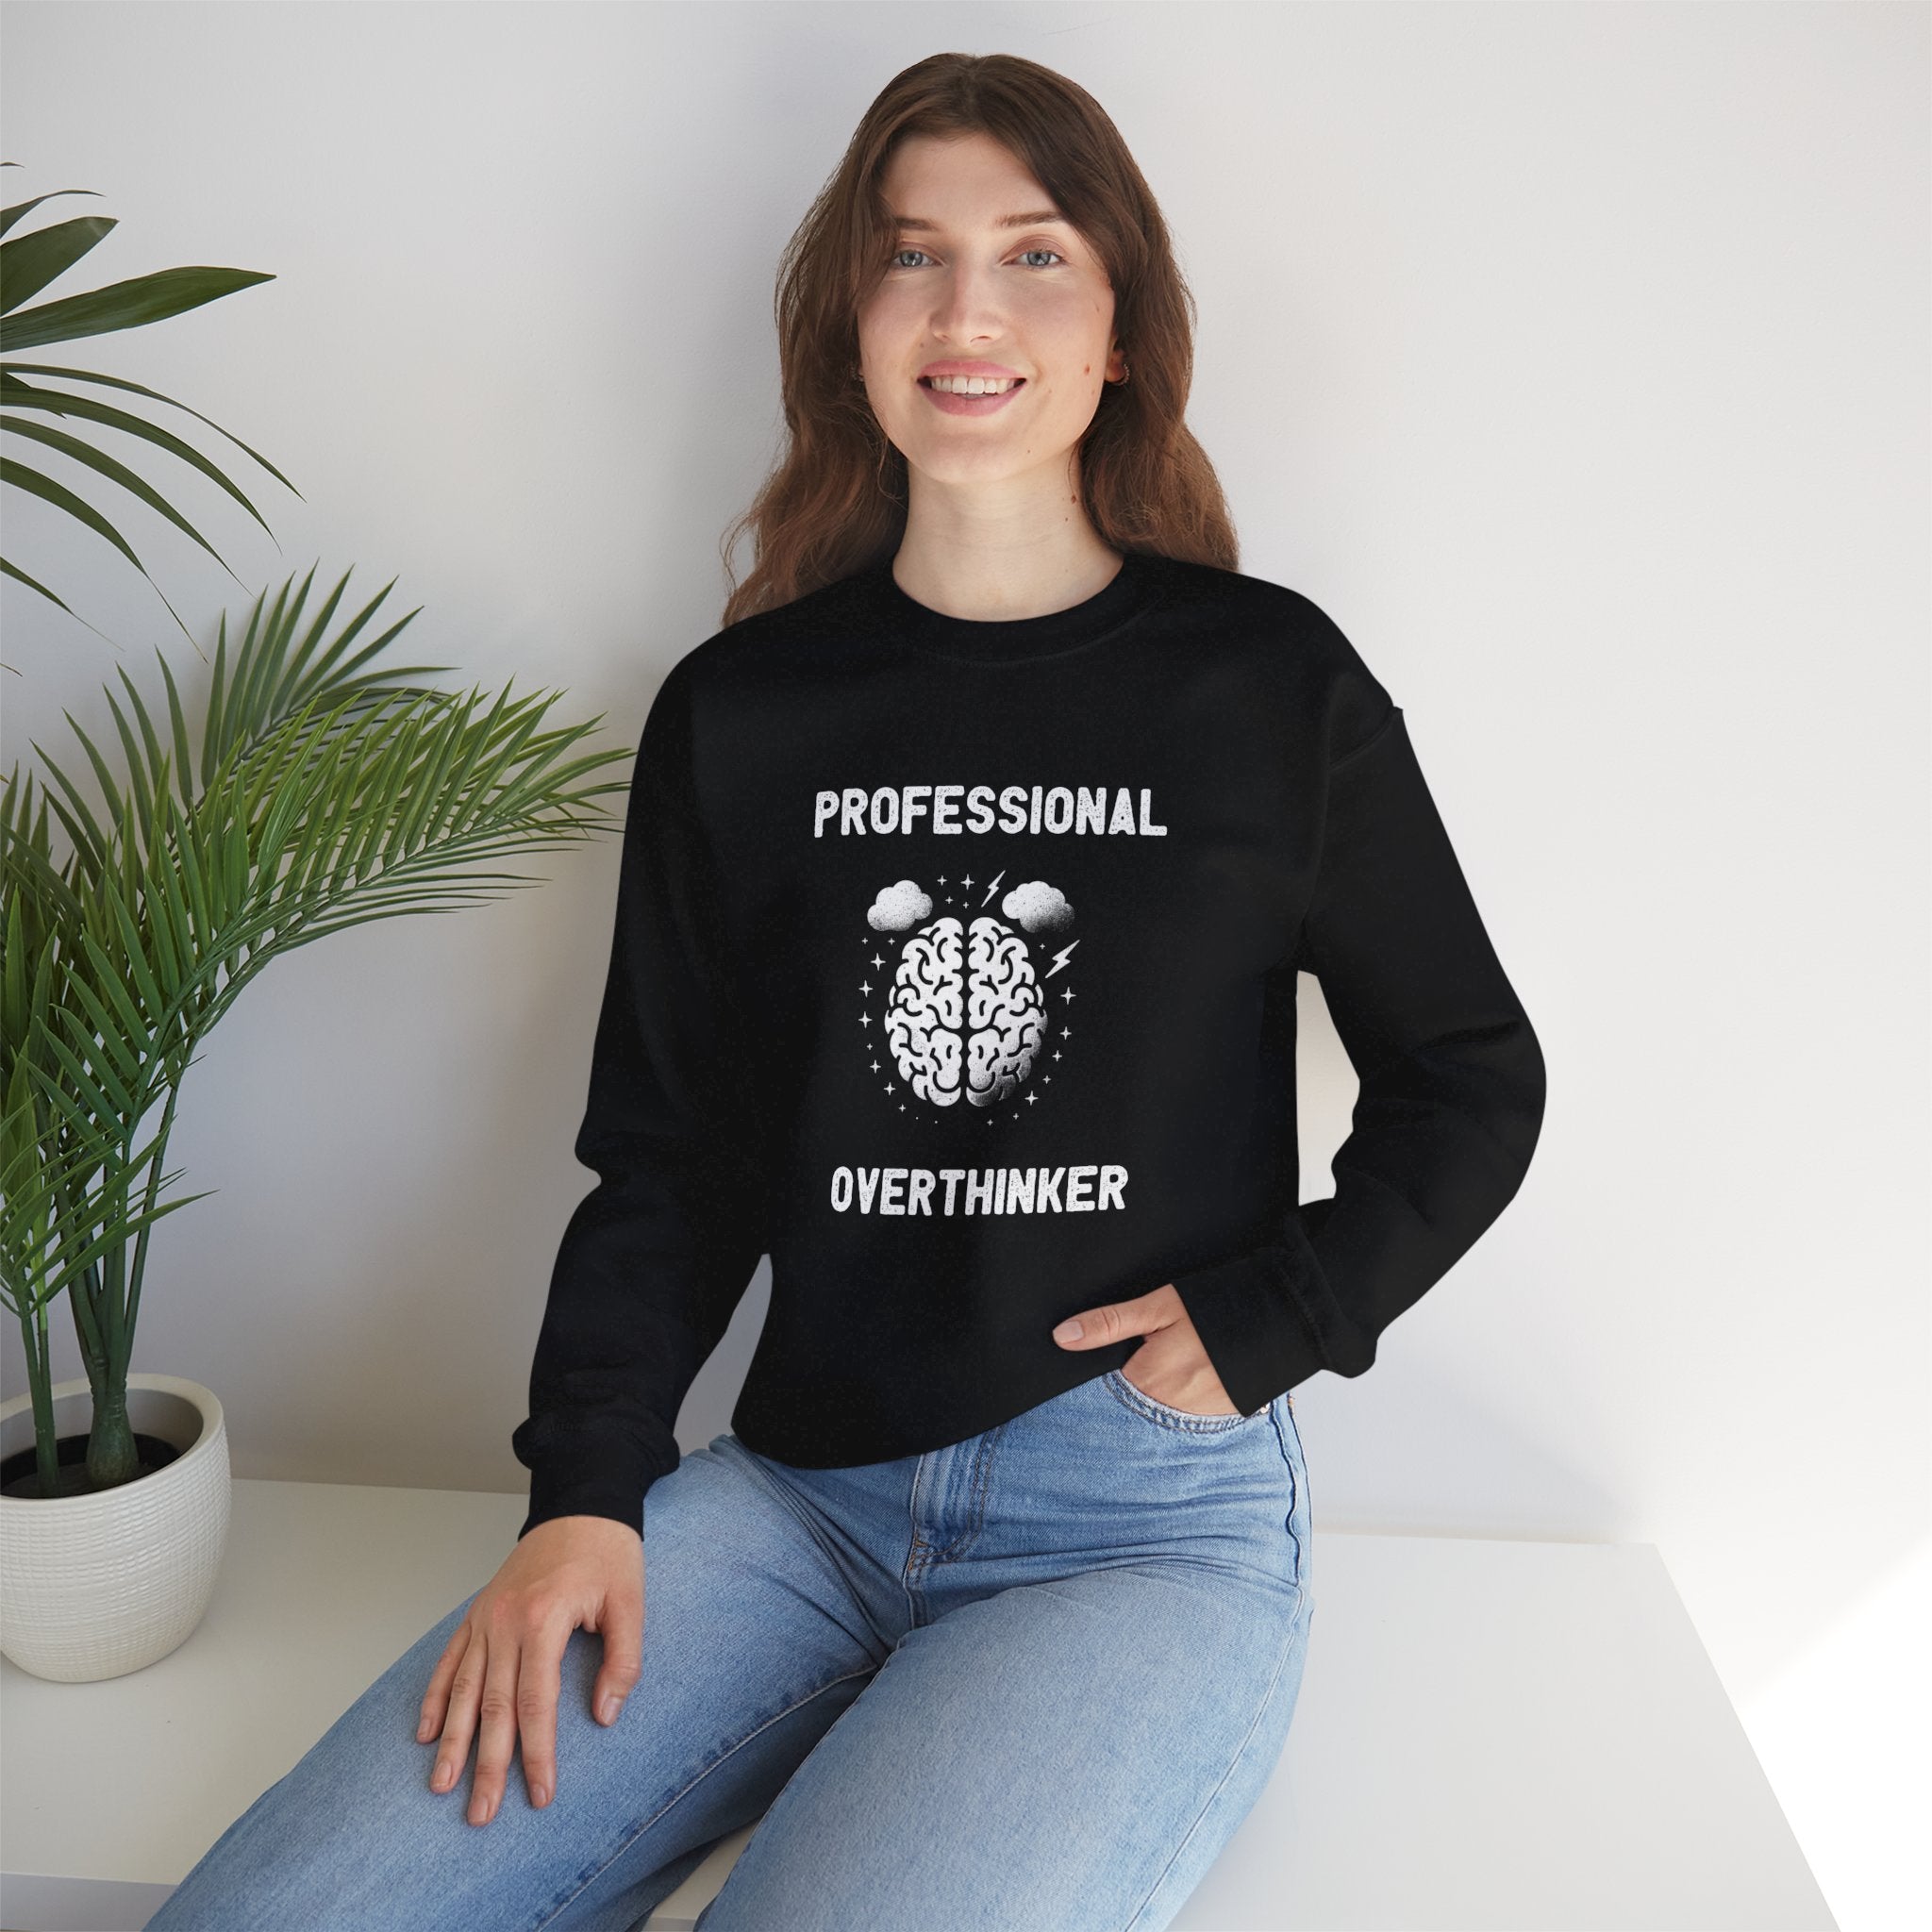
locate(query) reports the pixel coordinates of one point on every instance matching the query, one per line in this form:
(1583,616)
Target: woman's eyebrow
(1028,220)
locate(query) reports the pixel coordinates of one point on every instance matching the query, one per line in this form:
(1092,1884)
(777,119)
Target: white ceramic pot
(100,1585)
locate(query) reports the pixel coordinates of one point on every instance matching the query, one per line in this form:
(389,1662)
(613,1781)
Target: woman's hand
(1173,1365)
(503,1664)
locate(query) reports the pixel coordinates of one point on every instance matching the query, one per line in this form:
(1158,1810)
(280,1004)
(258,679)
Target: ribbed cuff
(593,1474)
(563,1496)
(1245,1312)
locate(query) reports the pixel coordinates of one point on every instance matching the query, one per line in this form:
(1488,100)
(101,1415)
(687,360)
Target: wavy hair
(835,502)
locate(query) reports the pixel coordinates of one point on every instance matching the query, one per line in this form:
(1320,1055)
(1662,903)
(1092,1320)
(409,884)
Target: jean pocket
(1183,1421)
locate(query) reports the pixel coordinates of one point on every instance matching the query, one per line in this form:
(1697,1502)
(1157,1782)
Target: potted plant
(322,795)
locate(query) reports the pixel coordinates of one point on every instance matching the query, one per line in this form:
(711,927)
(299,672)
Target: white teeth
(973,385)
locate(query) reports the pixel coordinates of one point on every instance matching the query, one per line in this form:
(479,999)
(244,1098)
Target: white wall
(1573,357)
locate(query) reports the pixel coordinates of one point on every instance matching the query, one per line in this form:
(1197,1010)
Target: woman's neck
(990,579)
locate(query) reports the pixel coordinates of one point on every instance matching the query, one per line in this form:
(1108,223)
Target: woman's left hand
(1173,1365)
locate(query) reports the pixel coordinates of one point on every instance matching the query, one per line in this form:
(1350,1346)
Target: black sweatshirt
(955,968)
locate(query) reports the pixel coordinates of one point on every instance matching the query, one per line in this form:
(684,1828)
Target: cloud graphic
(1037,906)
(899,908)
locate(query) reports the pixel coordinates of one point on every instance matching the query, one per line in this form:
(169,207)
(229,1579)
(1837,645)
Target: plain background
(1573,357)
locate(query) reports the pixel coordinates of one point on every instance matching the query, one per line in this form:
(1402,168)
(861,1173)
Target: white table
(1490,1736)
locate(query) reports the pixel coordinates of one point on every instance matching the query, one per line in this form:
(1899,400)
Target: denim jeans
(1033,1681)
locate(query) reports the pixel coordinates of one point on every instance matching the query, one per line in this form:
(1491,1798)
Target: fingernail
(608,1710)
(540,1795)
(440,1779)
(1069,1331)
(423,1731)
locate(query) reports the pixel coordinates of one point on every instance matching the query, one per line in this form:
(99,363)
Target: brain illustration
(966,1016)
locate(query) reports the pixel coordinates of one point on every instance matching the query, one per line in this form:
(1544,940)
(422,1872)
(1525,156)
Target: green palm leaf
(325,793)
(28,262)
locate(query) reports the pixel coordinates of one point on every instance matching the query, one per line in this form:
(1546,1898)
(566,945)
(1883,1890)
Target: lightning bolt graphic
(995,886)
(1060,960)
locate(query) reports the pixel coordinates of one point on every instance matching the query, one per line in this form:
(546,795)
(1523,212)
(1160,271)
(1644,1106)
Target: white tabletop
(1490,1736)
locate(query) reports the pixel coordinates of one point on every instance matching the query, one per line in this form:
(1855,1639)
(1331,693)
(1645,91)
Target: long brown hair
(835,501)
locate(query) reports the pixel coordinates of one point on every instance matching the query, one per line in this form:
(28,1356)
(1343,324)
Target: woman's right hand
(506,1657)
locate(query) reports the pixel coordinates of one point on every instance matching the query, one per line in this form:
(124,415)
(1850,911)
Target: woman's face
(1031,299)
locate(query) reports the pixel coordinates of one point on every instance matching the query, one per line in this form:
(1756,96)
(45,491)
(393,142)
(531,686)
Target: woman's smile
(952,404)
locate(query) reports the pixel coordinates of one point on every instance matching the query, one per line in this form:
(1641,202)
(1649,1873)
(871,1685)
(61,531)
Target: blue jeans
(1031,1680)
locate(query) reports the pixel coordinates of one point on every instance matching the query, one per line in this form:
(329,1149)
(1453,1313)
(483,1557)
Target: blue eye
(1053,252)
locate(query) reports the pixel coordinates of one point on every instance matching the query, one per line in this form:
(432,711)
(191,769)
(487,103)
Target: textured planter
(96,1586)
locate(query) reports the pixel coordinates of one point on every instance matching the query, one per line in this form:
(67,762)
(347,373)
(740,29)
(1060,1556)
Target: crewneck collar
(995,640)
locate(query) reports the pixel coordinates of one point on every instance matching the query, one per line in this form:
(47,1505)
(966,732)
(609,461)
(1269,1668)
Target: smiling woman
(997,1065)
(987,220)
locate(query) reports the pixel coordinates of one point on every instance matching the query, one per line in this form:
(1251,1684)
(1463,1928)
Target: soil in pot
(18,1477)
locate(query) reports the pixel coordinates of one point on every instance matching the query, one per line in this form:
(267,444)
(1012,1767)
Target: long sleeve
(658,1255)
(1451,1098)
